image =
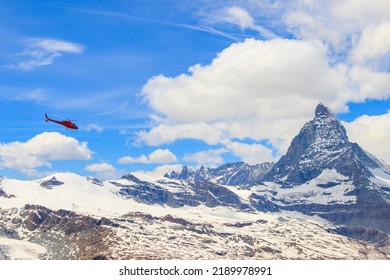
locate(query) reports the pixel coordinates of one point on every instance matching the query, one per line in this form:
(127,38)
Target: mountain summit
(322,144)
(320,165)
(322,110)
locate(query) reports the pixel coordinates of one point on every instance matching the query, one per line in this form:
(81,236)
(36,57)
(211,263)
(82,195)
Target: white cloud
(254,89)
(266,90)
(161,170)
(21,94)
(210,158)
(358,13)
(169,133)
(372,133)
(40,150)
(158,156)
(41,52)
(240,17)
(369,84)
(225,14)
(100,168)
(250,78)
(251,153)
(94,127)
(373,43)
(104,171)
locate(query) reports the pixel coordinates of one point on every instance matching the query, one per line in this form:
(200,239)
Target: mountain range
(326,198)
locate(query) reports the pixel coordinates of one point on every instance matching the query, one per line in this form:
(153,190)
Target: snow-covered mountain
(326,198)
(324,173)
(67,216)
(323,144)
(231,174)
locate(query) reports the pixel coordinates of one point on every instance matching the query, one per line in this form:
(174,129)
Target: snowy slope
(12,249)
(76,194)
(328,188)
(102,223)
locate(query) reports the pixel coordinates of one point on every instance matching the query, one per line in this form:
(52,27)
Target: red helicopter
(66,123)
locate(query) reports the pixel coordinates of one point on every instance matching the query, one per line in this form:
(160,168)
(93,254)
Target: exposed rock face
(68,235)
(190,194)
(3,194)
(49,184)
(65,234)
(322,144)
(231,174)
(371,235)
(333,178)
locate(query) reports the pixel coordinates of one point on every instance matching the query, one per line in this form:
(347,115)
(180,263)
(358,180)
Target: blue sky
(154,85)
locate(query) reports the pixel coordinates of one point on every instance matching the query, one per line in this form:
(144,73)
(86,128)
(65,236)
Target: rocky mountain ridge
(231,174)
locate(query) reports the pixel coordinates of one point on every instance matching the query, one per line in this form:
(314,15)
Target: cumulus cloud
(160,156)
(253,89)
(103,170)
(251,153)
(41,150)
(250,78)
(169,133)
(371,132)
(369,84)
(100,167)
(374,43)
(265,90)
(161,170)
(41,52)
(210,158)
(355,29)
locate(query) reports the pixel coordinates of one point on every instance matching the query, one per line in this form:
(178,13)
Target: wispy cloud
(210,30)
(196,27)
(40,52)
(94,127)
(241,17)
(17,94)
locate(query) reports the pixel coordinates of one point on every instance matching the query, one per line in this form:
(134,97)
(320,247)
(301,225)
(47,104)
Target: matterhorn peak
(322,110)
(322,144)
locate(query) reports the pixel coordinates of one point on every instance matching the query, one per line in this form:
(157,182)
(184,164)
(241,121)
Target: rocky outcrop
(230,174)
(190,194)
(322,144)
(53,182)
(3,194)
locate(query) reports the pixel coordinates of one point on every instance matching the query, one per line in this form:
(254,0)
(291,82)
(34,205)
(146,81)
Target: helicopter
(66,123)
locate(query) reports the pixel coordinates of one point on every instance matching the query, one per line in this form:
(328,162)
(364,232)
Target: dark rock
(371,235)
(3,194)
(53,182)
(190,194)
(231,174)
